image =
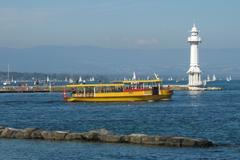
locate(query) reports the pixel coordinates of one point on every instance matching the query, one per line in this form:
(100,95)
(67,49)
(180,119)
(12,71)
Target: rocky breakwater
(103,135)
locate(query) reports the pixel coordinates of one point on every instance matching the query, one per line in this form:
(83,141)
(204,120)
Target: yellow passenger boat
(119,91)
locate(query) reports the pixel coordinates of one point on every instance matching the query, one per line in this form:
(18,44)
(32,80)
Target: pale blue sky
(118,23)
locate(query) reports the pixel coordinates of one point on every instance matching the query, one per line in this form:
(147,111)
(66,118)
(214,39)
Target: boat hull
(119,99)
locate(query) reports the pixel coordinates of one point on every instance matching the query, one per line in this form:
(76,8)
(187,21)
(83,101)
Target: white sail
(204,82)
(170,78)
(208,78)
(47,80)
(80,79)
(229,78)
(66,79)
(70,80)
(91,79)
(156,76)
(214,78)
(134,76)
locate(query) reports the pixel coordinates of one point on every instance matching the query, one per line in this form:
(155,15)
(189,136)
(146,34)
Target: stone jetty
(33,89)
(187,88)
(104,136)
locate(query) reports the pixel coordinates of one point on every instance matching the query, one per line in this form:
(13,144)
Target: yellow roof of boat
(139,81)
(96,85)
(142,81)
(115,83)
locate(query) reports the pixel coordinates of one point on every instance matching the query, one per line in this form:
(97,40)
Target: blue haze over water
(96,60)
(212,114)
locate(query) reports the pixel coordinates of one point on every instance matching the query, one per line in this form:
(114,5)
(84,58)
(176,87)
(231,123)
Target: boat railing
(83,95)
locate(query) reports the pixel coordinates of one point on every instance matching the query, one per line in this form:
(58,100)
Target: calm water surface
(214,115)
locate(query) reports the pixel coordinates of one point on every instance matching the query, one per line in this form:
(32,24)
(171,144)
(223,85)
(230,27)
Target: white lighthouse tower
(194,72)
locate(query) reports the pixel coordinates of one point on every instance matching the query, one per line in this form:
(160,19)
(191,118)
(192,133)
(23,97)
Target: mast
(8,74)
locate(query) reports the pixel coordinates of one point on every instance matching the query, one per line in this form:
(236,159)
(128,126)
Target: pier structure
(194,71)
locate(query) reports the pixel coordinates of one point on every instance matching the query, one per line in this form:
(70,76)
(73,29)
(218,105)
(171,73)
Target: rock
(1,130)
(103,135)
(20,135)
(48,135)
(153,140)
(74,136)
(203,143)
(25,133)
(162,140)
(9,132)
(124,139)
(90,136)
(53,135)
(135,138)
(94,134)
(174,142)
(109,138)
(188,142)
(37,134)
(102,131)
(59,135)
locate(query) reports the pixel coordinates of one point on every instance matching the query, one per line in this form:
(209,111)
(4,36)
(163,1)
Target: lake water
(214,115)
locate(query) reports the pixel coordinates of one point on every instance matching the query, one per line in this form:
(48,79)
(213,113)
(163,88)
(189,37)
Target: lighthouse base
(194,76)
(194,80)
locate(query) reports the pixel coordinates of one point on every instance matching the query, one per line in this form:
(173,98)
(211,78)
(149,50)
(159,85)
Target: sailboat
(7,82)
(156,76)
(47,80)
(36,82)
(229,78)
(170,78)
(208,78)
(66,79)
(13,81)
(70,80)
(204,82)
(80,79)
(134,76)
(91,79)
(214,78)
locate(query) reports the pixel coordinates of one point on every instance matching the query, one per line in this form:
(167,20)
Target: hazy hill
(96,60)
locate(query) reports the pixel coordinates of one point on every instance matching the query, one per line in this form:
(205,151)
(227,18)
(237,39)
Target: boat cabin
(127,86)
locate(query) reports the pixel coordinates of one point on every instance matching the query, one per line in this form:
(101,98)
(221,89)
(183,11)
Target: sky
(157,24)
(118,36)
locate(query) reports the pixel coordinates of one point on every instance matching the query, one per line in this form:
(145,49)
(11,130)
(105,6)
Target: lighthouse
(194,72)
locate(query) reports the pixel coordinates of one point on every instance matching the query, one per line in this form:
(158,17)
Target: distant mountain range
(96,60)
